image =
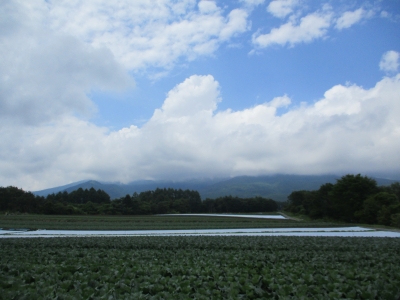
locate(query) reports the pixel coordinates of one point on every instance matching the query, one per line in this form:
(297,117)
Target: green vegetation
(200,268)
(159,201)
(87,222)
(354,199)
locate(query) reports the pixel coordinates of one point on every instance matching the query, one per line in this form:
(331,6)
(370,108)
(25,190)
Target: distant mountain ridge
(276,187)
(57,189)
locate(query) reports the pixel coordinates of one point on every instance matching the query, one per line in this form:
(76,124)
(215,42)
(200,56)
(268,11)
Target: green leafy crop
(201,267)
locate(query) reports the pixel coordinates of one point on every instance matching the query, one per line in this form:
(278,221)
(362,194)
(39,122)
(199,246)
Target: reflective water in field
(229,215)
(334,231)
(339,231)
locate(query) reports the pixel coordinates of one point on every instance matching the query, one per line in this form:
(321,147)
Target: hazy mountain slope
(276,187)
(113,190)
(57,189)
(120,190)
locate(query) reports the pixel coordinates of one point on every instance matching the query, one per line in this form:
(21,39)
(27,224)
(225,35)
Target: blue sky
(185,89)
(248,79)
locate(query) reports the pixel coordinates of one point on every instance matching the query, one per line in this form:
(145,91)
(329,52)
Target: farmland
(193,267)
(200,267)
(88,222)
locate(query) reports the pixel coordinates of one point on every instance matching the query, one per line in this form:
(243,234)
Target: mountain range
(276,187)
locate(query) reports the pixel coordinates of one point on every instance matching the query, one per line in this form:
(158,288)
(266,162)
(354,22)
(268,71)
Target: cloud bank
(349,128)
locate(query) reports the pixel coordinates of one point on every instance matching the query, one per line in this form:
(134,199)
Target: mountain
(55,190)
(276,187)
(113,190)
(117,190)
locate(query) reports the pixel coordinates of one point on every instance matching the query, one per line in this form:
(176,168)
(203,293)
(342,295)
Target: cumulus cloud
(390,61)
(195,94)
(349,128)
(349,18)
(281,8)
(310,27)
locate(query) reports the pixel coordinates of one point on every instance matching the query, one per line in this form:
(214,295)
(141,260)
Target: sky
(128,90)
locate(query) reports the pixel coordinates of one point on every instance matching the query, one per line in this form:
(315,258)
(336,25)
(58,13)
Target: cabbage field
(200,267)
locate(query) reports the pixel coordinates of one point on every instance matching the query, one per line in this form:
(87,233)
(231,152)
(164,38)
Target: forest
(352,199)
(97,202)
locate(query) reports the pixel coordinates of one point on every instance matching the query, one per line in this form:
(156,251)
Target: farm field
(354,231)
(201,267)
(86,222)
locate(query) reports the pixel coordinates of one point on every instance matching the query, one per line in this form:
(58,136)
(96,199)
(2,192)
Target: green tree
(395,220)
(296,202)
(17,200)
(394,188)
(348,195)
(377,209)
(90,208)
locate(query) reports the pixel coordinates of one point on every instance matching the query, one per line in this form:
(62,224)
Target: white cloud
(349,18)
(195,94)
(281,8)
(54,53)
(307,28)
(207,7)
(310,27)
(350,129)
(44,75)
(143,33)
(283,101)
(390,61)
(237,23)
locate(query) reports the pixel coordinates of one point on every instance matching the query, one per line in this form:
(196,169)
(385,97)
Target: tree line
(352,199)
(159,201)
(13,199)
